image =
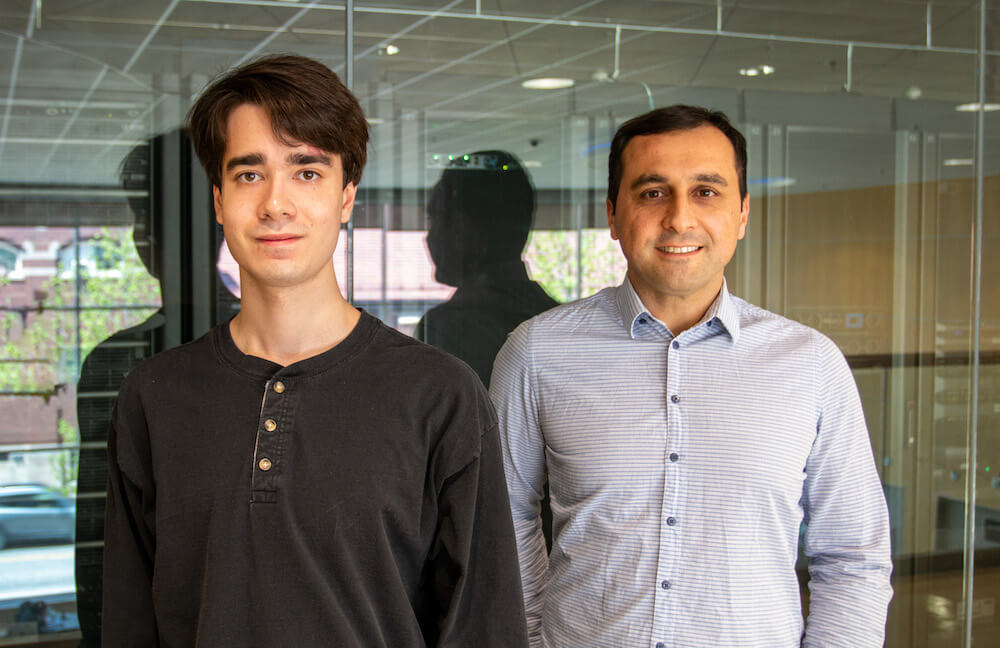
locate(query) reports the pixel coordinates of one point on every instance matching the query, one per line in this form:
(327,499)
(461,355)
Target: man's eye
(652,193)
(308,174)
(706,193)
(248,176)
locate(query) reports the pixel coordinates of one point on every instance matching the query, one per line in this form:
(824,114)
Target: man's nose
(678,214)
(277,201)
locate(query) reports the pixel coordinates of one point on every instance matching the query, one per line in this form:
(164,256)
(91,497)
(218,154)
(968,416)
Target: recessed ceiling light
(547,83)
(974,107)
(958,162)
(757,70)
(391,50)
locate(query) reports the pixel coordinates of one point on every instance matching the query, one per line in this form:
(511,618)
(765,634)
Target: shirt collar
(722,310)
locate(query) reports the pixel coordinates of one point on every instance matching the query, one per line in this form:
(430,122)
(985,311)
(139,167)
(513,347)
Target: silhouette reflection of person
(100,378)
(481,211)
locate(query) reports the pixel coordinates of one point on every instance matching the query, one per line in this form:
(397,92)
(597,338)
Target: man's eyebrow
(250,159)
(645,179)
(654,178)
(713,178)
(309,158)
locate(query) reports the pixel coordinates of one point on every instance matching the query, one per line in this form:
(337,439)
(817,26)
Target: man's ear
(610,206)
(744,216)
(217,199)
(350,193)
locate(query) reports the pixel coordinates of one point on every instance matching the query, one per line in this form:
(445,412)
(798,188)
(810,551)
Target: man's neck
(679,313)
(289,324)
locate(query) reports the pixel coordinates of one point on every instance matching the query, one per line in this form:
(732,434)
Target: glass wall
(875,186)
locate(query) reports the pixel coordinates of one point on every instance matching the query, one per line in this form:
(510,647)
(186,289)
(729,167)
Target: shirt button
(279,387)
(665,584)
(675,399)
(674,457)
(671,521)
(676,344)
(270,425)
(264,464)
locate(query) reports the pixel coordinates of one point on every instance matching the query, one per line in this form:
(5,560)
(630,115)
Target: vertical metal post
(578,225)
(775,226)
(349,82)
(928,23)
(77,287)
(850,67)
(969,548)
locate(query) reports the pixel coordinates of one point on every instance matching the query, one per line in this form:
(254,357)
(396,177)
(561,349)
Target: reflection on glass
(102,373)
(64,290)
(481,211)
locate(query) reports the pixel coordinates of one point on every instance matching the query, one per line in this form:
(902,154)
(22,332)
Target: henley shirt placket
(273,427)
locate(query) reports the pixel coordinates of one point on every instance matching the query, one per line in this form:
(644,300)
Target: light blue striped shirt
(680,471)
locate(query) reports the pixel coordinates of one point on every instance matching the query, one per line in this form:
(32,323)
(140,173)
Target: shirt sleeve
(129,535)
(523,449)
(847,522)
(474,556)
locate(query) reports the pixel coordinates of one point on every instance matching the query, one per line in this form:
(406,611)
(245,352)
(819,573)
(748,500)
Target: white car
(33,512)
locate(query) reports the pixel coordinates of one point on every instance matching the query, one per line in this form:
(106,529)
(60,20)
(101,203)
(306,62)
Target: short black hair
(304,99)
(665,120)
(481,211)
(491,188)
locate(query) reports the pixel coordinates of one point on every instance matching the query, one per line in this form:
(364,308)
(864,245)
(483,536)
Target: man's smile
(678,249)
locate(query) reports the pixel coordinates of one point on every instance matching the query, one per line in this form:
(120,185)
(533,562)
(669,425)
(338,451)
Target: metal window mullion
(349,82)
(969,547)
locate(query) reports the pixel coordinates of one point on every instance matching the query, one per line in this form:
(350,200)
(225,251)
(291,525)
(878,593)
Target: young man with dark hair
(686,435)
(302,475)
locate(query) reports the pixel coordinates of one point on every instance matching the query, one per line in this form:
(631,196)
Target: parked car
(33,512)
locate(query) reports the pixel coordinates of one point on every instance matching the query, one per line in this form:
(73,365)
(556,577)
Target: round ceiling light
(547,83)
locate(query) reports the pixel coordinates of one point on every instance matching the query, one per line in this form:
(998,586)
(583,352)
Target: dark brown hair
(304,100)
(666,120)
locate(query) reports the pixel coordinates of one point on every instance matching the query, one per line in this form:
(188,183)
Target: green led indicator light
(466,158)
(505,167)
(987,468)
(437,157)
(451,157)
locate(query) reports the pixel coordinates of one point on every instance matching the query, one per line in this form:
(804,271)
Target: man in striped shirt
(687,435)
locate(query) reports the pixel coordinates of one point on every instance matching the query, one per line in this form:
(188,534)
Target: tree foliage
(44,344)
(552,257)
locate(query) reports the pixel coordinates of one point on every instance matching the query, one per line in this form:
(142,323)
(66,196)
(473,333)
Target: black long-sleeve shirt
(355,498)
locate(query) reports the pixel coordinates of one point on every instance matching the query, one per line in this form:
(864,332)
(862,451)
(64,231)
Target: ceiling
(82,81)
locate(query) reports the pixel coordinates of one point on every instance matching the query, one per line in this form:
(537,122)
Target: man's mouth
(275,239)
(678,249)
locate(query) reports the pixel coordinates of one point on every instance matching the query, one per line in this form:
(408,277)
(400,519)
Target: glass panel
(863,211)
(77,241)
